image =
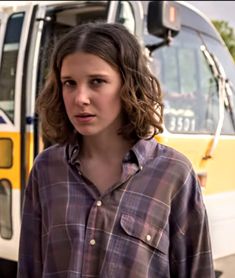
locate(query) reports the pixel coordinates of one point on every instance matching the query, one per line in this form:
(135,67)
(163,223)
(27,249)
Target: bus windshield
(190,90)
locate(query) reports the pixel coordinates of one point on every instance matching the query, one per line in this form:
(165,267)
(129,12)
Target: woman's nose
(82,95)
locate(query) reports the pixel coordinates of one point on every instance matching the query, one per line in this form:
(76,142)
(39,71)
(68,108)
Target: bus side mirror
(163,18)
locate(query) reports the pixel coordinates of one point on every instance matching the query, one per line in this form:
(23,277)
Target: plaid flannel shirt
(152,223)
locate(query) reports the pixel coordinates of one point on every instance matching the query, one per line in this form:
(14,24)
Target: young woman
(107,200)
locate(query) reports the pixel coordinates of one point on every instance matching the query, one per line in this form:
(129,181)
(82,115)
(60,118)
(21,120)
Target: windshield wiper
(225,96)
(228,102)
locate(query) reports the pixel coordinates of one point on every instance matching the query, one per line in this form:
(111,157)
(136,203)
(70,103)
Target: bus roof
(191,17)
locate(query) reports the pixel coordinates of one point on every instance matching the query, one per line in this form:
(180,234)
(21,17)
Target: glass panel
(171,76)
(9,64)
(188,82)
(125,16)
(209,87)
(189,88)
(6,153)
(227,63)
(5,209)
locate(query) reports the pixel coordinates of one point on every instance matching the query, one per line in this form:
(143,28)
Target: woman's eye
(97,81)
(68,83)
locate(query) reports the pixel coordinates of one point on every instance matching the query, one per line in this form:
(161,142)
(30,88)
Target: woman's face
(91,93)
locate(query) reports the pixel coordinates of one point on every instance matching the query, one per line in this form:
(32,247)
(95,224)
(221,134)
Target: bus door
(14,35)
(27,36)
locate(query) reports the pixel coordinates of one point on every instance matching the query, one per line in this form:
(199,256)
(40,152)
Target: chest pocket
(146,232)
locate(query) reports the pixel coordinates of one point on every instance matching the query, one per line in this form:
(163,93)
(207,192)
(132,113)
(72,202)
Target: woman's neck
(104,147)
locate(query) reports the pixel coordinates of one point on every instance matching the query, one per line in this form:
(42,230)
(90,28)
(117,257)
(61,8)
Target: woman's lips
(84,118)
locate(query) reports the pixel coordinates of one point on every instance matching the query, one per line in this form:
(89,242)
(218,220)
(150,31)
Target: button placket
(92,242)
(99,203)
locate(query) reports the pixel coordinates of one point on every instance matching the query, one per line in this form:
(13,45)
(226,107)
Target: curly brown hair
(140,93)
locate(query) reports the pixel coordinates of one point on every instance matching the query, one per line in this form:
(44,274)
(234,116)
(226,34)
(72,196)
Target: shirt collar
(72,151)
(144,150)
(140,153)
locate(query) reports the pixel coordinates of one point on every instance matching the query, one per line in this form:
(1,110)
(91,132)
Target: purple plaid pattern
(151,224)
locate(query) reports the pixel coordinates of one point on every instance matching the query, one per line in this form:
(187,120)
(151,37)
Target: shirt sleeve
(190,247)
(30,260)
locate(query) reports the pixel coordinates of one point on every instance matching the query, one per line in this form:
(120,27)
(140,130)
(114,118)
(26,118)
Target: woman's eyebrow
(65,77)
(98,75)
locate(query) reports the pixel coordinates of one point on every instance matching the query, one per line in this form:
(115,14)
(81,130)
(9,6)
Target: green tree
(227,33)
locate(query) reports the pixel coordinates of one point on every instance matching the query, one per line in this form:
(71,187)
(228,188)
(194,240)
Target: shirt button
(148,237)
(92,242)
(141,167)
(99,203)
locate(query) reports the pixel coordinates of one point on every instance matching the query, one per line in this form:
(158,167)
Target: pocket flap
(149,234)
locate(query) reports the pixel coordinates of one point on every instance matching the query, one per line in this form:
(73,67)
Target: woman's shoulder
(169,159)
(157,151)
(53,153)
(168,153)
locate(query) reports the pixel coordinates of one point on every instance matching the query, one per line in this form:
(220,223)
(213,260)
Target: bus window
(5,209)
(189,87)
(9,64)
(125,16)
(209,87)
(6,153)
(188,81)
(228,64)
(171,76)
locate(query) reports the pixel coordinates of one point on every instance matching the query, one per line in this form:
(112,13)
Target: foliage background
(227,33)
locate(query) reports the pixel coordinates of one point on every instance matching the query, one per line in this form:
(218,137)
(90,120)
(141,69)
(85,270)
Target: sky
(217,10)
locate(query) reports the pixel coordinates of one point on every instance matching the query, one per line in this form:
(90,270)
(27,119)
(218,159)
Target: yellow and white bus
(185,52)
